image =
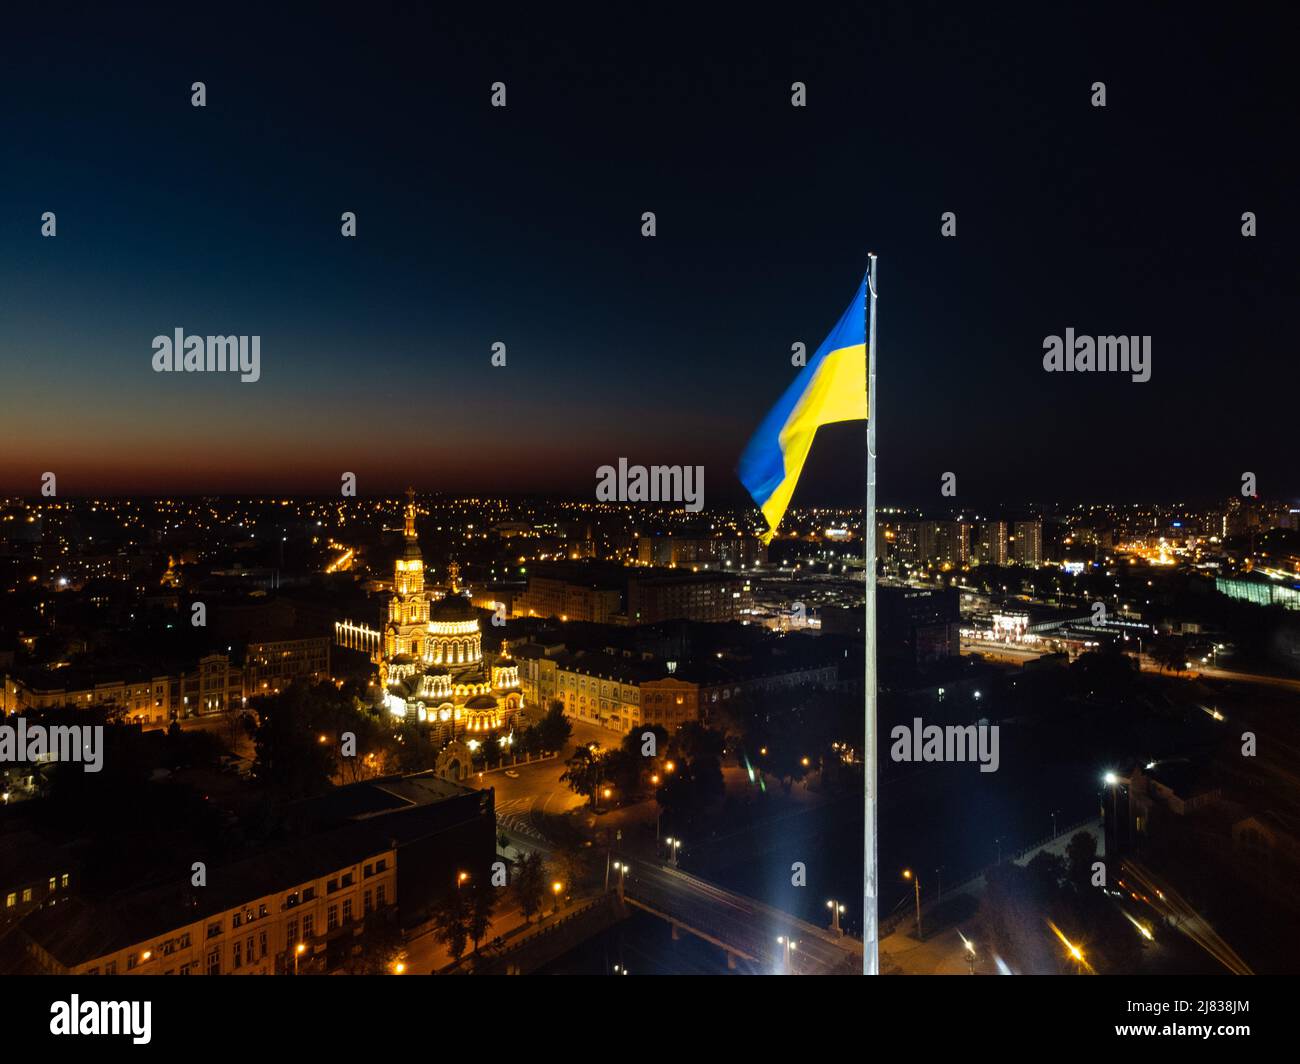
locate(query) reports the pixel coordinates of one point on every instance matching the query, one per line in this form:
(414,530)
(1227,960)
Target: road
(523,802)
(748,927)
(1018,655)
(1165,900)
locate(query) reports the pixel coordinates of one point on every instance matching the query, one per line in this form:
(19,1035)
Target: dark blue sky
(523,225)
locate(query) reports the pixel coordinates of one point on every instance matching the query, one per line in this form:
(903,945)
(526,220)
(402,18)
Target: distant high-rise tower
(1028,545)
(993,543)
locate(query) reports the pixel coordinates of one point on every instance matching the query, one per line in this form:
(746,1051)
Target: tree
(582,773)
(1169,652)
(530,884)
(382,947)
(694,741)
(451,922)
(623,771)
(554,729)
(570,868)
(1080,853)
(482,907)
(289,756)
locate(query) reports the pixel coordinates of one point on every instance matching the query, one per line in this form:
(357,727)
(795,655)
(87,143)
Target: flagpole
(870,881)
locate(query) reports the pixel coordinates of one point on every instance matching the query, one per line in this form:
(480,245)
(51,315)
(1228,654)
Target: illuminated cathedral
(431,663)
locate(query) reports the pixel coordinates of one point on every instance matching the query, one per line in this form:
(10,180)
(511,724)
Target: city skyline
(563,492)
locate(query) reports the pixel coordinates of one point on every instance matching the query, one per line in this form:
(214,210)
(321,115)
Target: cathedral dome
(451,609)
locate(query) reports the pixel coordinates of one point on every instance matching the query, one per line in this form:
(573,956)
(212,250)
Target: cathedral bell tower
(408,610)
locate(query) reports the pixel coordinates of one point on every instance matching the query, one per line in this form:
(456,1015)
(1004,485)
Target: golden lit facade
(432,666)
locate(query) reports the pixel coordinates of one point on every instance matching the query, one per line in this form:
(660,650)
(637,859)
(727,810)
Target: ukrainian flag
(832,387)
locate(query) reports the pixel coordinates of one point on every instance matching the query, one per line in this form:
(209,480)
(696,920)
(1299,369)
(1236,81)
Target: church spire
(410,513)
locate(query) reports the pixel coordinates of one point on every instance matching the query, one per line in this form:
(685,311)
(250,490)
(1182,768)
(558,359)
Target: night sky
(522,225)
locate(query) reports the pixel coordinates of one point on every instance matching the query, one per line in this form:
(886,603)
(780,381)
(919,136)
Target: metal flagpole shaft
(870,881)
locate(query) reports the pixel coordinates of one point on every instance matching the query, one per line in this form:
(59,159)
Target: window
(27,894)
(261,910)
(110,968)
(251,955)
(347,880)
(379,896)
(214,962)
(238,948)
(368,871)
(381,866)
(185,969)
(369,900)
(54,884)
(347,910)
(214,929)
(309,894)
(261,943)
(11,900)
(308,928)
(291,900)
(131,962)
(332,918)
(331,886)
(291,937)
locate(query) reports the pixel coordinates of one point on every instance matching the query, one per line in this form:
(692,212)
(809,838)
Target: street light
(298,951)
(673,846)
(622,868)
(970,951)
(836,909)
(556,888)
(461,877)
(916,883)
(1113,781)
(788,944)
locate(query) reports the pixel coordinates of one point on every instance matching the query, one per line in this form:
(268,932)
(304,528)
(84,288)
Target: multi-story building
(706,596)
(272,664)
(1027,544)
(572,593)
(378,851)
(245,923)
(33,875)
(705,551)
(215,684)
(993,543)
(624,692)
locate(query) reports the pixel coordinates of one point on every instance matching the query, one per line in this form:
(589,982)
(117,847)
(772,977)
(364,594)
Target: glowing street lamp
(916,883)
(970,951)
(788,945)
(836,909)
(556,888)
(673,846)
